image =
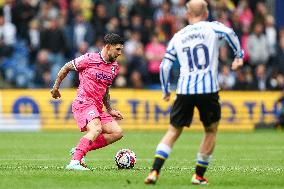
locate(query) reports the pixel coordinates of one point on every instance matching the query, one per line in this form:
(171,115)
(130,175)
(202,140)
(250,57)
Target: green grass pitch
(241,160)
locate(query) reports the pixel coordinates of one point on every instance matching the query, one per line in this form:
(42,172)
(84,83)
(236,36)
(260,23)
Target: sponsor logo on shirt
(103,76)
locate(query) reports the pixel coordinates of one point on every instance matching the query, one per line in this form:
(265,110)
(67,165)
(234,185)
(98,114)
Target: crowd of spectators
(37,37)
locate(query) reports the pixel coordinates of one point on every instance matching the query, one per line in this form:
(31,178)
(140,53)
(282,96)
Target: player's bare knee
(212,128)
(96,130)
(95,127)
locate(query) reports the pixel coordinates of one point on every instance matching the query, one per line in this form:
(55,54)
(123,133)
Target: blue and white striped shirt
(197,49)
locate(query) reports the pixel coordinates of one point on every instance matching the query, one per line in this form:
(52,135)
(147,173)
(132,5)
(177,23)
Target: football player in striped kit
(196,49)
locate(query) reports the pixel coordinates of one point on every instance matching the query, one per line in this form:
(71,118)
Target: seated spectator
(243,80)
(276,80)
(42,78)
(260,80)
(226,78)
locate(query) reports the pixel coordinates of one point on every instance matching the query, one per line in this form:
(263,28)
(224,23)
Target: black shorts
(207,104)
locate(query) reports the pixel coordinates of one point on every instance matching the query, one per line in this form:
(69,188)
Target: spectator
(236,25)
(165,19)
(179,10)
(74,8)
(7,37)
(76,22)
(257,46)
(122,15)
(154,52)
(246,15)
(98,46)
(226,78)
(22,14)
(42,78)
(33,39)
(137,69)
(271,35)
(53,40)
(260,12)
(113,26)
(142,8)
(100,20)
(112,7)
(279,60)
(241,83)
(7,10)
(131,44)
(276,81)
(81,31)
(260,80)
(136,23)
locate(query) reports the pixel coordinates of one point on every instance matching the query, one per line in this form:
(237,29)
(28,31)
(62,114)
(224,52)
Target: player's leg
(163,151)
(210,113)
(181,115)
(111,132)
(204,154)
(94,129)
(165,146)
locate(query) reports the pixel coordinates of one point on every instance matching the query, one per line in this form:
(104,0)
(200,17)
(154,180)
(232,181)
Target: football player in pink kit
(96,73)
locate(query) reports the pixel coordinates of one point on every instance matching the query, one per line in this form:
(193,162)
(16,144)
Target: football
(125,159)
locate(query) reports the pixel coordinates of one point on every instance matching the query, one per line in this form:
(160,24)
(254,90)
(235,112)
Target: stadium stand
(38,37)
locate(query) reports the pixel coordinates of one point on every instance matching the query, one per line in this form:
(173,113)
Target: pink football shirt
(95,76)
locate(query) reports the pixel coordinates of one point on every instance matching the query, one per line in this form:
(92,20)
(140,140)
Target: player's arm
(69,66)
(106,101)
(165,68)
(229,35)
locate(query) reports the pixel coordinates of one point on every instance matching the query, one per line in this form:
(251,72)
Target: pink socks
(86,145)
(99,142)
(82,148)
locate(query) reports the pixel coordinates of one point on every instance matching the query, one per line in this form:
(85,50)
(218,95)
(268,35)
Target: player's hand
(167,97)
(238,62)
(55,93)
(116,114)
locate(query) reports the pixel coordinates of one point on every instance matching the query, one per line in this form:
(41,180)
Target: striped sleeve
(229,35)
(166,65)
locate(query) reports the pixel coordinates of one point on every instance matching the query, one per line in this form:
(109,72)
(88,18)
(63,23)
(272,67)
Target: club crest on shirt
(92,113)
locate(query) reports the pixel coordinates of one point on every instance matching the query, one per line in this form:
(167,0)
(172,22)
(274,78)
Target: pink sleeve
(81,62)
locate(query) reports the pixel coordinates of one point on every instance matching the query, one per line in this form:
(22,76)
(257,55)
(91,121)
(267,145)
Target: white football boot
(76,165)
(83,160)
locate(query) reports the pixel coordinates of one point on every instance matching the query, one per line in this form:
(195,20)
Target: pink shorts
(85,111)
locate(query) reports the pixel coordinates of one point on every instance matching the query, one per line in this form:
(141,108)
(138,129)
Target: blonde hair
(197,8)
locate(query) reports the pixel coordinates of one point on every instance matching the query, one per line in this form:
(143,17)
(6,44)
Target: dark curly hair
(113,39)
